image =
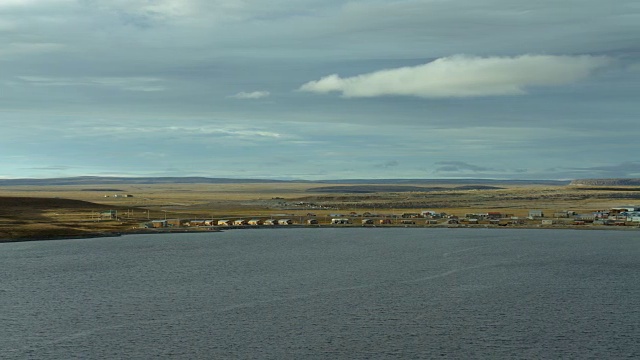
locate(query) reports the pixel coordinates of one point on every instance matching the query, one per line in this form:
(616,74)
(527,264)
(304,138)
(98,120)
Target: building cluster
(208,223)
(615,216)
(621,216)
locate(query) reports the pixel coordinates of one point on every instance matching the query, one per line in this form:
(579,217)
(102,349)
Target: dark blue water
(325,294)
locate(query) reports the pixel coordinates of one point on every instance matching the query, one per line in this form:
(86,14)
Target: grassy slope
(42,218)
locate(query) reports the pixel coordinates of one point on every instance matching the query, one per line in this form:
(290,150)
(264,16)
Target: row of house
(254,222)
(267,222)
(614,216)
(222,222)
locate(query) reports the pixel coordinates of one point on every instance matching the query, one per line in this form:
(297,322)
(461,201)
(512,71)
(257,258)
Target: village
(616,216)
(81,211)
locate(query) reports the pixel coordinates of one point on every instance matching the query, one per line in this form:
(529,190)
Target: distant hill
(98,180)
(606,182)
(364,189)
(446,182)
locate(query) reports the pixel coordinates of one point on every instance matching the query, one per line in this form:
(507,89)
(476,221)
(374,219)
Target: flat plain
(42,212)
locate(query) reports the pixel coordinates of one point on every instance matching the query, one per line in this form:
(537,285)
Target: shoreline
(298,226)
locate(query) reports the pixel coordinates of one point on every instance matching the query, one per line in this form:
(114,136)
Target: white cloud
(24,3)
(388,164)
(464,76)
(158,8)
(237,131)
(145,84)
(26,48)
(212,11)
(461,166)
(251,95)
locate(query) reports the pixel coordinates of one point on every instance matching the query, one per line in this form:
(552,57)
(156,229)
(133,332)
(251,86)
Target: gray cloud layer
(540,85)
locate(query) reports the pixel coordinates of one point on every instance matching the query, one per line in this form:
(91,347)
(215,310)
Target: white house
(535,214)
(158,223)
(633,216)
(340,221)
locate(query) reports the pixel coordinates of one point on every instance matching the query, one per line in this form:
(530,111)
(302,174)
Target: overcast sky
(320,89)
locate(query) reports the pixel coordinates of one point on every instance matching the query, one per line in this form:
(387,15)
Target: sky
(320,89)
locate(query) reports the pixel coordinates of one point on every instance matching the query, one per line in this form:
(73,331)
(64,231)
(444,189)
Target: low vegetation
(52,211)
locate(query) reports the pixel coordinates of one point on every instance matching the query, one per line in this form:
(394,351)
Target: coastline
(53,213)
(140,231)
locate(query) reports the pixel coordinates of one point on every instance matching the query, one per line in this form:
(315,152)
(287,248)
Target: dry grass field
(62,211)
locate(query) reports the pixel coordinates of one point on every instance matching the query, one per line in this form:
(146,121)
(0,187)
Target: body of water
(366,293)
